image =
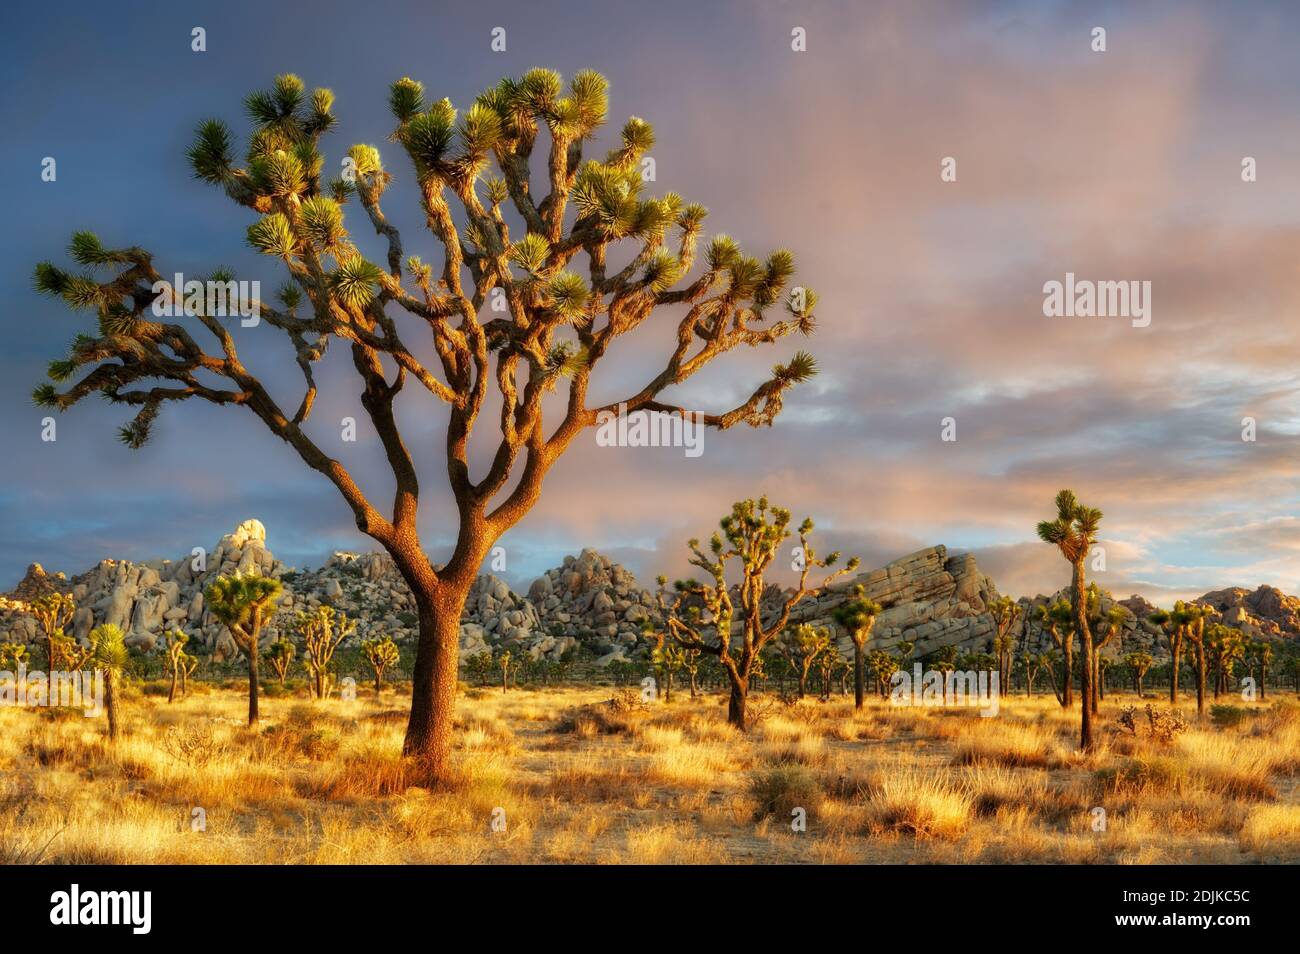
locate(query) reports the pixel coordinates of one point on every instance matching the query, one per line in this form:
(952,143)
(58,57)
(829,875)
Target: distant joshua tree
(12,655)
(1058,619)
(858,616)
(1073,532)
(174,657)
(1196,614)
(382,654)
(322,631)
(280,655)
(1106,626)
(244,603)
(505,311)
(1175,623)
(801,645)
(1006,612)
(53,611)
(1139,664)
(752,535)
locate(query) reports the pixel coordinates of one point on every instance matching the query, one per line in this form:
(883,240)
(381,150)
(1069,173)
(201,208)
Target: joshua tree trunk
(1175,660)
(859,675)
(736,704)
(171,695)
(433,682)
(110,702)
(1200,680)
(1079,599)
(252,681)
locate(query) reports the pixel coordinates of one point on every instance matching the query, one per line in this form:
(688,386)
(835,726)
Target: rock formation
(590,604)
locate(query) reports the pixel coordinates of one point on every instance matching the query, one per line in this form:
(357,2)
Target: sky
(1121,165)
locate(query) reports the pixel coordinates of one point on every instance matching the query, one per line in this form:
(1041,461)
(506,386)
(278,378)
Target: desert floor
(592,775)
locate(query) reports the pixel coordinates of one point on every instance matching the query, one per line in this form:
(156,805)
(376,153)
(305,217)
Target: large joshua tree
(700,613)
(1073,532)
(506,310)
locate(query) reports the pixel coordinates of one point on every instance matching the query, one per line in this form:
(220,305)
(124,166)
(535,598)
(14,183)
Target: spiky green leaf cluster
(406,99)
(567,295)
(321,221)
(272,235)
(352,281)
(530,252)
(800,368)
(210,155)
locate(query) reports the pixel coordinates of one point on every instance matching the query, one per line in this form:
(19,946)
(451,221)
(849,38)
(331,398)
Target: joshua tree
(800,646)
(381,654)
(53,611)
(829,662)
(503,663)
(1107,626)
(188,665)
(883,665)
(1005,612)
(1175,623)
(322,630)
(691,663)
(507,292)
(1073,532)
(751,534)
(944,661)
(1030,663)
(110,656)
(1195,615)
(858,616)
(280,655)
(243,603)
(1058,619)
(12,655)
(1138,664)
(174,645)
(1291,666)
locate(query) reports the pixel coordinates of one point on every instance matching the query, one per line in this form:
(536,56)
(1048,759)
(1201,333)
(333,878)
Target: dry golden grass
(563,776)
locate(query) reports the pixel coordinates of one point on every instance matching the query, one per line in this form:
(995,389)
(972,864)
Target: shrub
(779,789)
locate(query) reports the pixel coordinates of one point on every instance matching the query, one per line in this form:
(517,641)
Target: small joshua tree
(944,661)
(1196,614)
(53,611)
(1073,532)
(280,655)
(801,646)
(1005,612)
(188,665)
(858,616)
(1030,664)
(1175,623)
(244,603)
(12,655)
(578,259)
(1058,619)
(503,663)
(1139,664)
(752,535)
(174,642)
(883,665)
(110,657)
(321,631)
(381,653)
(1106,626)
